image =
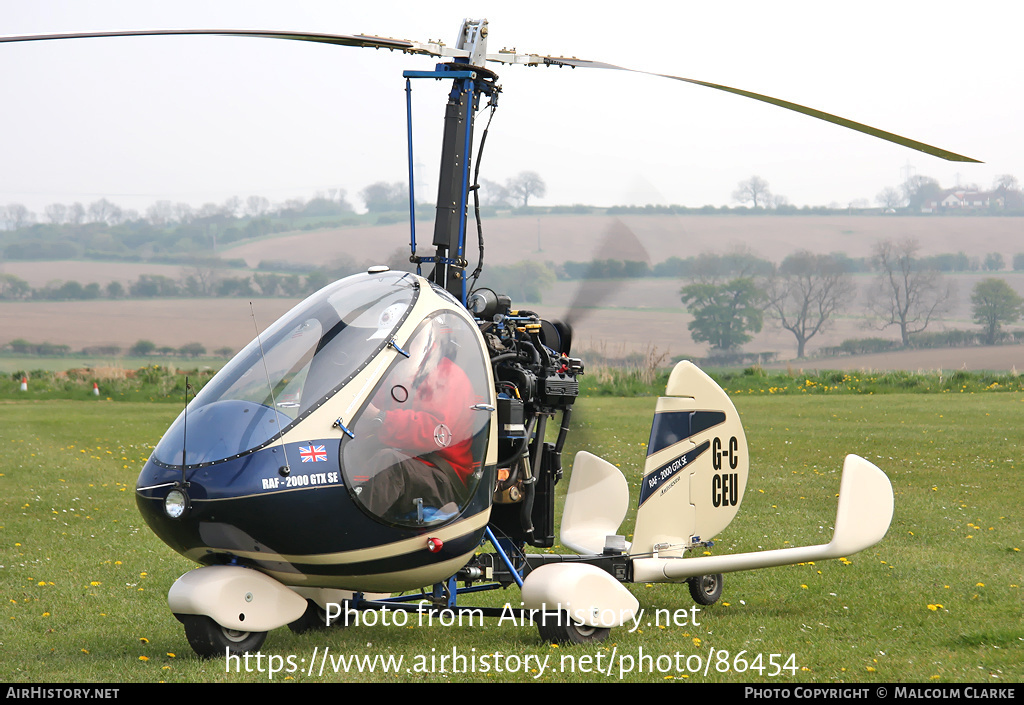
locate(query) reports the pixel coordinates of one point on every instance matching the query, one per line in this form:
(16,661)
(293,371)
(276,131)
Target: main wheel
(312,620)
(559,629)
(209,639)
(706,589)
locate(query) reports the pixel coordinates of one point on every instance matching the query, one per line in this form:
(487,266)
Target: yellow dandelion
(144,640)
(143,658)
(979,585)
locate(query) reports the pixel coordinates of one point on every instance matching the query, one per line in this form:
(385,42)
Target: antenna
(184,433)
(908,171)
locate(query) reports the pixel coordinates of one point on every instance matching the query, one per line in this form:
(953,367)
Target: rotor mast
(471,79)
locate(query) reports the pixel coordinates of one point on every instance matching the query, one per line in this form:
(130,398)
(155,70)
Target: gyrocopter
(373,439)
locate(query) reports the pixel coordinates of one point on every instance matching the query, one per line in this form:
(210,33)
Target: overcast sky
(200,119)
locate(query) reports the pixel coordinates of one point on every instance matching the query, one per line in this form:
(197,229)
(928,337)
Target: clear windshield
(419,446)
(302,358)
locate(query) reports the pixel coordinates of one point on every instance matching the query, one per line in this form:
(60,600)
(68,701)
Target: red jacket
(436,418)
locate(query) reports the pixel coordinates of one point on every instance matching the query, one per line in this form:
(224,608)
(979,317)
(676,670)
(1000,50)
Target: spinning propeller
(471,48)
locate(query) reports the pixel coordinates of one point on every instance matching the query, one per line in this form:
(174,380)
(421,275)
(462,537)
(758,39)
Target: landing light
(175,503)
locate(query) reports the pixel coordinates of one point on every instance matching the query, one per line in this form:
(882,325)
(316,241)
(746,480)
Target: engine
(535,381)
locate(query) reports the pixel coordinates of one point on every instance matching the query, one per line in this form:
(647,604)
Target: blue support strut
(412,192)
(504,557)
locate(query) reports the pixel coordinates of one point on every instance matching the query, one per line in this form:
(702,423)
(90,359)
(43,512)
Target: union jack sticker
(313,454)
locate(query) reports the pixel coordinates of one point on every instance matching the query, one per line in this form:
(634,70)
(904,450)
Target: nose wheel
(209,639)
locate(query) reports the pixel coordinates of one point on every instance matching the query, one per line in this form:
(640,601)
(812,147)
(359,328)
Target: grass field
(84,581)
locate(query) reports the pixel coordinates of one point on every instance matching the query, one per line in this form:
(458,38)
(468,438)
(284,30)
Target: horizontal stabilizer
(863,518)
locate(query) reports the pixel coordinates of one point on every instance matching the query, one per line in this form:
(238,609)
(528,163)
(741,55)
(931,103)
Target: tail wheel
(558,628)
(706,589)
(209,639)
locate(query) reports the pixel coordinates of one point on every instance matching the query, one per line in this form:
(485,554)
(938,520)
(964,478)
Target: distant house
(959,199)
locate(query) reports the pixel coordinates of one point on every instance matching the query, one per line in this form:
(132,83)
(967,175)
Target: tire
(209,639)
(314,619)
(559,629)
(706,589)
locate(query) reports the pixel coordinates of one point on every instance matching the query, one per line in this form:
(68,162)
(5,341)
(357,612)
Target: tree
(56,213)
(739,263)
(754,191)
(76,213)
(494,194)
(993,303)
(724,315)
(889,198)
(103,211)
(526,185)
(1009,191)
(994,261)
(192,349)
(115,290)
(1006,182)
(806,292)
(202,275)
(382,197)
(907,295)
(256,205)
(160,213)
(17,215)
(142,348)
(154,285)
(917,190)
(13,287)
(524,281)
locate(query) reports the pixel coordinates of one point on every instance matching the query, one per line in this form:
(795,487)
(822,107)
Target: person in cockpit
(423,424)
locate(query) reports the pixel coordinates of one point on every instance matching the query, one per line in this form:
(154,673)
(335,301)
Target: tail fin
(696,468)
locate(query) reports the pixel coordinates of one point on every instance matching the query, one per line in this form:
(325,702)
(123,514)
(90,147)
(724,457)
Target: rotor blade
(617,240)
(357,40)
(535,60)
(506,57)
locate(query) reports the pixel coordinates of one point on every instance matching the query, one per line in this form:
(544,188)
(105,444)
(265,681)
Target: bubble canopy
(290,368)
